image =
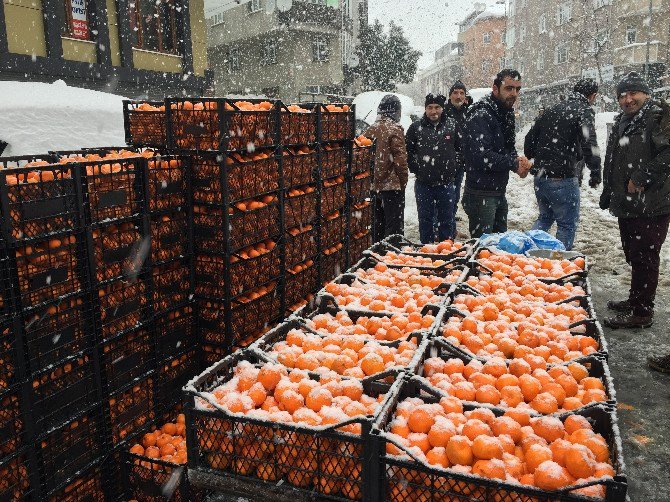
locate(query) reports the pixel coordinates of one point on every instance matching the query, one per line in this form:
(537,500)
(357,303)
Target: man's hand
(633,188)
(524,166)
(595,180)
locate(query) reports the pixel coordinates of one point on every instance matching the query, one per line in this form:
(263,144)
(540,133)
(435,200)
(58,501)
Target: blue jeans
(558,200)
(435,204)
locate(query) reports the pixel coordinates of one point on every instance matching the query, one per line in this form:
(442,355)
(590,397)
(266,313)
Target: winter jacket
(488,147)
(431,153)
(563,135)
(459,116)
(639,150)
(391,155)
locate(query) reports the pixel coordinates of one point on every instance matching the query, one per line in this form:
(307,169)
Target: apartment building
(293,50)
(444,71)
(143,48)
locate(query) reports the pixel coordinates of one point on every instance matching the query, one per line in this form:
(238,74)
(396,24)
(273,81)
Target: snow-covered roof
(492,11)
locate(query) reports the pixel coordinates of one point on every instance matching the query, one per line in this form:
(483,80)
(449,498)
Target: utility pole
(646,65)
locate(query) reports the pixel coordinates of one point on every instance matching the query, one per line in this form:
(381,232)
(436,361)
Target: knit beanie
(631,83)
(458,85)
(390,107)
(586,87)
(432,99)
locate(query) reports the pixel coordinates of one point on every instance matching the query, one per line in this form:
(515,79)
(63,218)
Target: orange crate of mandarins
(12,410)
(172,284)
(14,478)
(297,124)
(333,228)
(333,195)
(222,124)
(437,448)
(516,266)
(169,236)
(300,206)
(167,182)
(301,281)
(337,122)
(266,422)
(363,155)
(144,123)
(300,243)
(360,219)
(299,165)
(359,242)
(334,160)
(359,187)
(333,262)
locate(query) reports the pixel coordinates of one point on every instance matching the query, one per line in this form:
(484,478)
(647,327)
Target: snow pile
(492,11)
(36,117)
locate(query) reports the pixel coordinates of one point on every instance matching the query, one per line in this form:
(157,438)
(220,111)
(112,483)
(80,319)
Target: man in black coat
(431,156)
(490,155)
(560,137)
(456,108)
(637,191)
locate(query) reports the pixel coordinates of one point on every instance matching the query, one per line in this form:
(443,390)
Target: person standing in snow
(390,171)
(637,191)
(490,155)
(456,109)
(559,139)
(431,156)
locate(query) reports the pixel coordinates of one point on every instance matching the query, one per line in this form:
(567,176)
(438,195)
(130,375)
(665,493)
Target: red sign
(79,21)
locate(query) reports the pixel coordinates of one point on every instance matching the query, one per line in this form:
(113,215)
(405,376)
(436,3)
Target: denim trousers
(558,201)
(486,214)
(435,205)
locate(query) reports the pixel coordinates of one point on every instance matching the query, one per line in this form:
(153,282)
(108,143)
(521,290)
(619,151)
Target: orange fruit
(451,404)
(419,440)
(475,427)
(441,432)
(421,419)
(545,403)
(318,398)
(486,447)
(490,468)
(270,375)
(535,455)
(551,476)
(575,422)
(459,450)
(507,425)
(580,461)
(548,428)
(438,456)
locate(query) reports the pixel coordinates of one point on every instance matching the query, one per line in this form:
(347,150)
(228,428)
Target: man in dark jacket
(431,156)
(637,191)
(456,108)
(560,137)
(390,173)
(490,155)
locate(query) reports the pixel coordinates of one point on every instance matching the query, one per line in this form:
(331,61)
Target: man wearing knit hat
(456,108)
(431,156)
(560,137)
(637,191)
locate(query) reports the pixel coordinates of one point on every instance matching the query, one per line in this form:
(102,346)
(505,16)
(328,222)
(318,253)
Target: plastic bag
(490,240)
(543,240)
(516,242)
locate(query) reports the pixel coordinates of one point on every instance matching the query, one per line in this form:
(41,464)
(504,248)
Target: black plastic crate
(12,413)
(172,374)
(298,124)
(438,251)
(118,249)
(55,331)
(363,159)
(131,409)
(167,177)
(49,269)
(15,482)
(59,392)
(300,206)
(126,357)
(300,244)
(337,122)
(10,366)
(360,219)
(221,124)
(333,195)
(89,486)
(172,285)
(212,354)
(221,230)
(169,236)
(332,230)
(231,177)
(122,306)
(299,166)
(357,244)
(334,263)
(175,331)
(333,160)
(66,451)
(114,188)
(39,200)
(5,289)
(144,123)
(359,188)
(301,281)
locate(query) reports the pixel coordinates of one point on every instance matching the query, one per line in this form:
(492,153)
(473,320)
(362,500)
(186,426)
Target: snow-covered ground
(36,117)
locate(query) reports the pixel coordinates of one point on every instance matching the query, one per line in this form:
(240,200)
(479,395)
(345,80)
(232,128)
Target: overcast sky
(429,24)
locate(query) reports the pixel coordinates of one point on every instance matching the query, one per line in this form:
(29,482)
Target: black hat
(632,82)
(586,87)
(457,85)
(432,99)
(390,107)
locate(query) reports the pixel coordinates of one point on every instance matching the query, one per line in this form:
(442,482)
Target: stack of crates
(237,224)
(359,184)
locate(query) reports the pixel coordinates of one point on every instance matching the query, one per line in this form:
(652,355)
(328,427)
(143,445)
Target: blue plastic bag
(543,240)
(516,242)
(490,240)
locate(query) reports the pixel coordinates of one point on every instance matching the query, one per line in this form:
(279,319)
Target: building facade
(300,51)
(447,68)
(143,48)
(482,35)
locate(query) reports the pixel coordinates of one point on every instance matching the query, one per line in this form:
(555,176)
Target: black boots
(627,320)
(620,306)
(659,363)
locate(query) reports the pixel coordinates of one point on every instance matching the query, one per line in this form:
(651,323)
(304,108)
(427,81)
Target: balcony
(310,13)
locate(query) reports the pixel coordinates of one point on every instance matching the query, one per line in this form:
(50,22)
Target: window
(540,61)
(485,66)
(631,34)
(501,64)
(75,20)
(486,38)
(563,15)
(312,89)
(511,37)
(319,50)
(217,19)
(254,6)
(233,59)
(522,34)
(318,2)
(153,23)
(543,23)
(269,55)
(602,3)
(512,8)
(561,54)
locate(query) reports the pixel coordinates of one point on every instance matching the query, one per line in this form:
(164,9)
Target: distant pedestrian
(637,191)
(490,155)
(390,171)
(431,156)
(456,108)
(562,136)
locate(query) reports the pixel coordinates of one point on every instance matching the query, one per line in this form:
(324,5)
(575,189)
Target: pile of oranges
(167,444)
(382,275)
(524,288)
(514,265)
(362,142)
(254,251)
(406,260)
(444,247)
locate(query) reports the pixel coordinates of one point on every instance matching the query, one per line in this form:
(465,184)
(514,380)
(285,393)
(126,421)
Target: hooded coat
(390,172)
(639,150)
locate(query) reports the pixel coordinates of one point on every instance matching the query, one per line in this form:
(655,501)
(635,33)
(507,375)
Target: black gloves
(595,179)
(605,200)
